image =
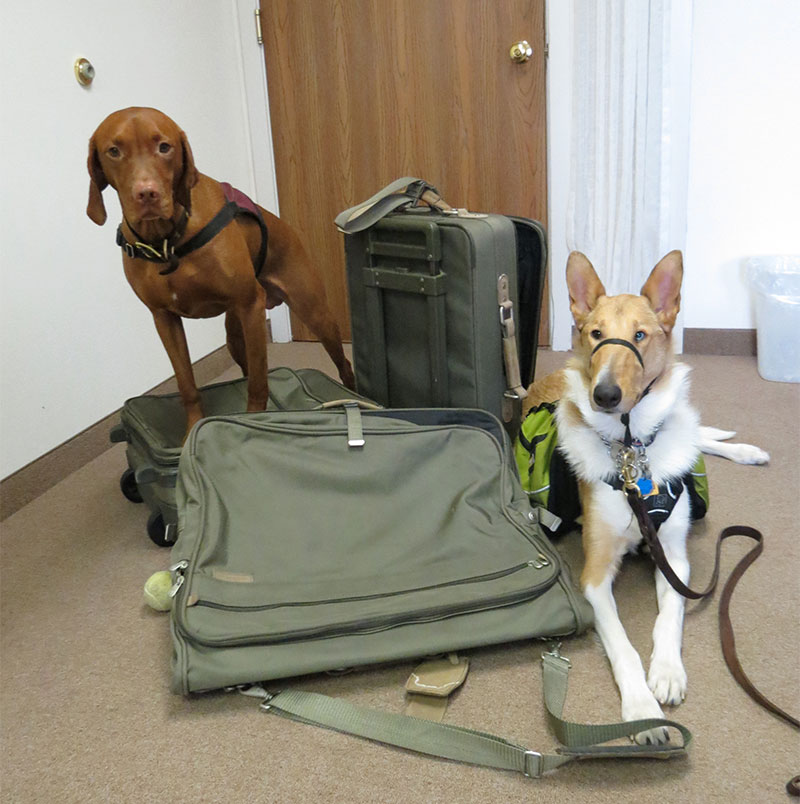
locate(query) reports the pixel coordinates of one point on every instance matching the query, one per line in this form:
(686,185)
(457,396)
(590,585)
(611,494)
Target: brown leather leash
(726,635)
(628,476)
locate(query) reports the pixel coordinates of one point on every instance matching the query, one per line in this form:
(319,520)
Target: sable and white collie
(624,364)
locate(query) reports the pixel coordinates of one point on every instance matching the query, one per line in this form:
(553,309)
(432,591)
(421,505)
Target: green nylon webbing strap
(394,195)
(475,747)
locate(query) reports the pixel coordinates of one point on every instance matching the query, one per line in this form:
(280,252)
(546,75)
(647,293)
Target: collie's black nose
(607,395)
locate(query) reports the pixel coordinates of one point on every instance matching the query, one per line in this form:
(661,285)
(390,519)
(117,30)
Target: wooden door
(362,92)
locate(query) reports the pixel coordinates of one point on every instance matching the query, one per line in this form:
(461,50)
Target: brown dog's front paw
(347,377)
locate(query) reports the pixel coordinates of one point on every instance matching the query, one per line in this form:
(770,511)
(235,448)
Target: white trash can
(776,282)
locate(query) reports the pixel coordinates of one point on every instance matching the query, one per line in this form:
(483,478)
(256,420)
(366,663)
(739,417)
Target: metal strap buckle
(533,773)
(265,702)
(506,314)
(555,653)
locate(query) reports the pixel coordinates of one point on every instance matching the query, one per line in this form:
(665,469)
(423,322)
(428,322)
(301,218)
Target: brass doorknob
(520,51)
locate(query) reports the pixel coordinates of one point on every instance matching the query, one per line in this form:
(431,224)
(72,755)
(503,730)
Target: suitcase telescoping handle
(407,190)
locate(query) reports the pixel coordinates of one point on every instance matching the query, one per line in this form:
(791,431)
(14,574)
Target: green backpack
(550,482)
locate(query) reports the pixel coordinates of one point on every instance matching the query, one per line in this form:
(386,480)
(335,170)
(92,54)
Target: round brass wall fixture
(84,72)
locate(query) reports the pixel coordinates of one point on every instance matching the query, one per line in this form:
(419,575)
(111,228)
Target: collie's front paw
(667,681)
(644,707)
(749,454)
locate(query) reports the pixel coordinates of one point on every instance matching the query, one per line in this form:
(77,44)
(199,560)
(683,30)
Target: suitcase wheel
(129,487)
(158,532)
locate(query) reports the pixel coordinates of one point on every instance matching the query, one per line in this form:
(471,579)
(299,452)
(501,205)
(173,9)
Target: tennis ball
(156,591)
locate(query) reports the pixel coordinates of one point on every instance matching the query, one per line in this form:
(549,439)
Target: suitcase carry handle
(340,403)
(407,190)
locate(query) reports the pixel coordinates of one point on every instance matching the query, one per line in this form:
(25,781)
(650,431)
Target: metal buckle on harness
(533,773)
(628,471)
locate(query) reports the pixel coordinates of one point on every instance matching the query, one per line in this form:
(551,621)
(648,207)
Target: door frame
(259,130)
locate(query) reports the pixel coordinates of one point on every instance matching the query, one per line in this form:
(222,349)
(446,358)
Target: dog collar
(140,249)
(169,253)
(630,457)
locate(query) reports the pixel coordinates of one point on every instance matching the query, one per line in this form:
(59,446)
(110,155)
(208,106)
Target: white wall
(74,340)
(744,177)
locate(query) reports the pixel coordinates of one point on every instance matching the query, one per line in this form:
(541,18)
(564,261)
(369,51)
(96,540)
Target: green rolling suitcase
(153,426)
(444,303)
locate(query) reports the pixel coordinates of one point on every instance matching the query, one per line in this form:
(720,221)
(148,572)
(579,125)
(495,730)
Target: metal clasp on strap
(510,353)
(355,432)
(265,701)
(555,653)
(534,772)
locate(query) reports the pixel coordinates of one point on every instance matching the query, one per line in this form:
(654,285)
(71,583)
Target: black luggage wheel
(158,531)
(129,487)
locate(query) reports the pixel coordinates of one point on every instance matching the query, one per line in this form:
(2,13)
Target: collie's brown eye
(164,148)
(596,334)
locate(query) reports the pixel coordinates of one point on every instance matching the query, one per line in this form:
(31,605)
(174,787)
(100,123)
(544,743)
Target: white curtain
(629,148)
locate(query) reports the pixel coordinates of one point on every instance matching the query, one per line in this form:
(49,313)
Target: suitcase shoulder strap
(403,191)
(479,748)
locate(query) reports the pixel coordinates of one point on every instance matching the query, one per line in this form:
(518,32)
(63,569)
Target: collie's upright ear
(188,178)
(96,209)
(585,288)
(663,289)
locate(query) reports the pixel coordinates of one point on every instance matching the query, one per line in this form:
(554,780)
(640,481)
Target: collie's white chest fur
(664,413)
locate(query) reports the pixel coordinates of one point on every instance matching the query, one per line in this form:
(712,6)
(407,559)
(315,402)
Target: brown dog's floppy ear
(96,209)
(585,288)
(187,179)
(663,289)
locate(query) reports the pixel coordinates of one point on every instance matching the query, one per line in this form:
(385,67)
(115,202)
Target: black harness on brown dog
(170,254)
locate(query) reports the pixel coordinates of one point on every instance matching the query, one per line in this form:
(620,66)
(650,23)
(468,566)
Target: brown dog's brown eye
(113,151)
(164,148)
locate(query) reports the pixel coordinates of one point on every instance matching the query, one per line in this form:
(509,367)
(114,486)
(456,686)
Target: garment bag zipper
(388,621)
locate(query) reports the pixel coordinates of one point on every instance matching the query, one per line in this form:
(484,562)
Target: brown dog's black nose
(607,395)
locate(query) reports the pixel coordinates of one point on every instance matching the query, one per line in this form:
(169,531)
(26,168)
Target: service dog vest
(550,482)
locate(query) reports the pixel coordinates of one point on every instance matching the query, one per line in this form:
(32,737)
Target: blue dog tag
(646,486)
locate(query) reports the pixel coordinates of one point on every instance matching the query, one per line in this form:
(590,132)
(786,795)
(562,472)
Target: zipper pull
(178,568)
(540,562)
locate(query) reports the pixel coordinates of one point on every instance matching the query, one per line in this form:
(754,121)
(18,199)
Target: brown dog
(165,202)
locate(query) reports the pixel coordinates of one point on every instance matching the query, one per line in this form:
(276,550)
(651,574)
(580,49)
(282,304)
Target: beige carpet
(87,715)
